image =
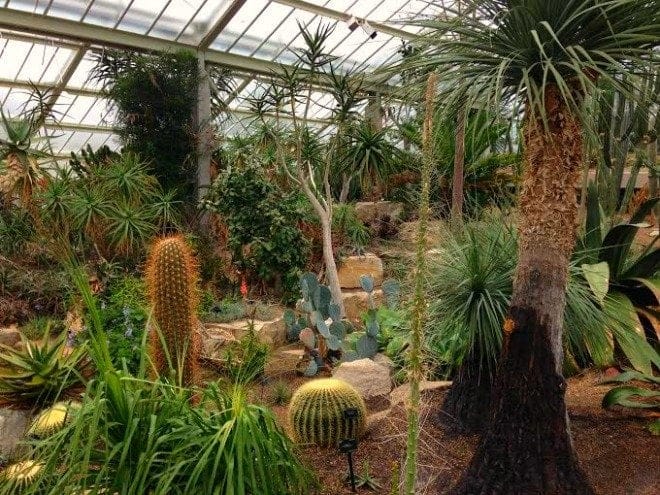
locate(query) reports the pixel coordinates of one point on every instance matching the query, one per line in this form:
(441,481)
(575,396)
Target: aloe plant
(39,372)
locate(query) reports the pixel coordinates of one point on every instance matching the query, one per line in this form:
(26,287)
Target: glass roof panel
(241,21)
(68,9)
(106,12)
(81,76)
(209,12)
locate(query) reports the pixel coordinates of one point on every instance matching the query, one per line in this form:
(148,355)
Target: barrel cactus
(172,278)
(317,412)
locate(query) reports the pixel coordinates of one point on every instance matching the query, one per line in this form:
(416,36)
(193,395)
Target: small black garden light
(350,445)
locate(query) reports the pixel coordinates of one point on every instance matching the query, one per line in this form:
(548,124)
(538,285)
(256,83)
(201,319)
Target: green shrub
(34,328)
(245,359)
(262,221)
(124,316)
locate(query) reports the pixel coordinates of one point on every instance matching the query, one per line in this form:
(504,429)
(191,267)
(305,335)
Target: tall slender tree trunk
(527,447)
(459,163)
(331,274)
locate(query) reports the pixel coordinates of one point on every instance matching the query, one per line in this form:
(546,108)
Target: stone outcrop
(369,378)
(352,268)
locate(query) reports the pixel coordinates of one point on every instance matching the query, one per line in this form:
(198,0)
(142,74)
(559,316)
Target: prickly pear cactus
(172,282)
(321,331)
(317,412)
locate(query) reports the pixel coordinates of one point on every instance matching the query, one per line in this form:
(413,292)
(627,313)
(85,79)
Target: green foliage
(41,371)
(124,318)
(322,341)
(16,230)
(155,96)
(471,283)
(40,291)
(280,393)
(632,396)
(115,207)
(631,281)
(244,360)
(262,220)
(135,436)
(364,479)
(350,228)
(509,52)
(34,328)
(316,413)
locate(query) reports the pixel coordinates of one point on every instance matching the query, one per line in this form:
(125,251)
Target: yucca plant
(541,59)
(41,371)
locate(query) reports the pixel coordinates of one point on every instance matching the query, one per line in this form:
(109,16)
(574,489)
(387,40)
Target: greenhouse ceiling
(48,43)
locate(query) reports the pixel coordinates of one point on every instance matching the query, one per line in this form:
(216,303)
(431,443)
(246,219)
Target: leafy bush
(262,222)
(245,359)
(124,317)
(34,328)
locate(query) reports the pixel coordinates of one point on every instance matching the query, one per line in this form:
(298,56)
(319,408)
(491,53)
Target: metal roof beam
(344,16)
(101,36)
(222,23)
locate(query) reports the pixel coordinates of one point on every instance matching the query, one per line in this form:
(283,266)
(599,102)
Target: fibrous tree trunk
(527,447)
(466,406)
(459,162)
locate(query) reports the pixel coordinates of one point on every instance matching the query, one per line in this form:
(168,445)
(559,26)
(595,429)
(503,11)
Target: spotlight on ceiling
(353,23)
(371,32)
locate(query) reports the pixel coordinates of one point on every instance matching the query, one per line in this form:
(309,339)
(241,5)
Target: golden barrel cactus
(317,412)
(172,281)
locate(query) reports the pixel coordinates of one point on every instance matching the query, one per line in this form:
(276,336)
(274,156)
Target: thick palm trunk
(527,446)
(467,403)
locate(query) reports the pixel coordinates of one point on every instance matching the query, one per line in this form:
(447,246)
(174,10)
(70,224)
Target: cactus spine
(172,282)
(316,413)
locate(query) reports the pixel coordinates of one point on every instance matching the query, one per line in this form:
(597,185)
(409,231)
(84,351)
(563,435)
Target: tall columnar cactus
(317,412)
(172,277)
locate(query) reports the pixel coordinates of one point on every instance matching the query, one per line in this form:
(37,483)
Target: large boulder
(10,336)
(356,302)
(370,379)
(354,267)
(272,332)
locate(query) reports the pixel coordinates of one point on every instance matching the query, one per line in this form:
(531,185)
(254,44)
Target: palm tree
(540,58)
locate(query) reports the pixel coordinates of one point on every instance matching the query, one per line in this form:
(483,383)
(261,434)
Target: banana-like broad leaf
(645,266)
(598,277)
(629,334)
(621,396)
(616,246)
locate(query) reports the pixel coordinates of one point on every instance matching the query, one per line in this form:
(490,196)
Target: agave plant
(41,371)
(612,269)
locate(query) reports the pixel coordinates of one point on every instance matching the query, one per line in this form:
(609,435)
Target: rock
(402,392)
(353,267)
(356,302)
(10,336)
(370,211)
(273,333)
(284,360)
(383,360)
(214,337)
(13,424)
(371,379)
